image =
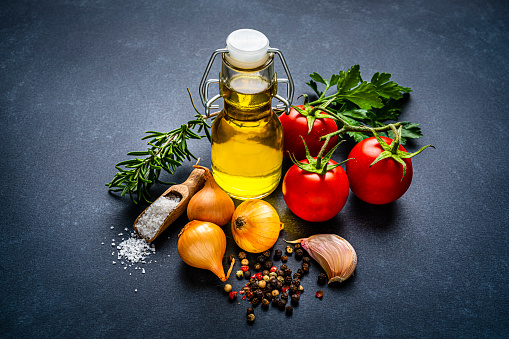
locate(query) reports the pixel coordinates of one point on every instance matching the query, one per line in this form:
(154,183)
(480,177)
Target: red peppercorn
(244,268)
(259,276)
(232,295)
(319,294)
(273,269)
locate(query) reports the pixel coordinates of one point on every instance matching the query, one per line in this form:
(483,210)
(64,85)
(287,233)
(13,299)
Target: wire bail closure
(205,83)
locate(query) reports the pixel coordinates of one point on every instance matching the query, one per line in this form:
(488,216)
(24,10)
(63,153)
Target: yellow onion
(211,203)
(255,226)
(202,244)
(336,256)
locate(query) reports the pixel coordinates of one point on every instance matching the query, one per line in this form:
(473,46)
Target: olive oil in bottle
(247,147)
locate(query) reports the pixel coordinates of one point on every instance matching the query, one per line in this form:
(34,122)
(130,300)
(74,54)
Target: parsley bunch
(357,102)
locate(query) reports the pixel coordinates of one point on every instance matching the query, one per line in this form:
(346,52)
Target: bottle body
(247,137)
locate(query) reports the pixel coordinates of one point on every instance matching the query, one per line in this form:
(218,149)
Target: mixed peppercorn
(268,284)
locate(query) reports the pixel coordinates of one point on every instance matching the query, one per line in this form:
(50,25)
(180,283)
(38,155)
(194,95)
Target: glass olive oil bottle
(247,137)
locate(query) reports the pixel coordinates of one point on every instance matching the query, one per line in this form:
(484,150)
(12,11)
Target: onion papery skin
(255,226)
(210,203)
(202,244)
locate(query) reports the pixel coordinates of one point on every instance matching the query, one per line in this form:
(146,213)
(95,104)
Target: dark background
(81,81)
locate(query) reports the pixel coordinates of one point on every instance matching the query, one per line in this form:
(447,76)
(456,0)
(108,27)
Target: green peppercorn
(266,278)
(265,303)
(322,278)
(244,262)
(257,266)
(289,310)
(251,317)
(239,274)
(289,250)
(272,274)
(242,255)
(280,279)
(228,288)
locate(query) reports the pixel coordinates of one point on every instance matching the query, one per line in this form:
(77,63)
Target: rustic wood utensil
(185,192)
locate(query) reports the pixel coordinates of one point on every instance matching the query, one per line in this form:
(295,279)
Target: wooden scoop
(185,192)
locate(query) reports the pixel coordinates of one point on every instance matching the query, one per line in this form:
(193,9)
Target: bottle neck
(248,93)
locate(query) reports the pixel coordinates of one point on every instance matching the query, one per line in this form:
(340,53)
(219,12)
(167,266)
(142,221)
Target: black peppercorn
(293,289)
(284,295)
(265,272)
(280,273)
(258,294)
(266,253)
(289,310)
(265,303)
(288,272)
(261,259)
(322,278)
(284,258)
(279,285)
(296,282)
(297,246)
(278,254)
(242,255)
(268,296)
(295,299)
(305,267)
(300,271)
(283,267)
(250,310)
(257,266)
(297,276)
(247,275)
(268,264)
(281,304)
(255,301)
(306,260)
(288,280)
(299,253)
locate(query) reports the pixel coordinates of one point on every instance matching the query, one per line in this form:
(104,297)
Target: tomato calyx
(393,151)
(320,164)
(311,113)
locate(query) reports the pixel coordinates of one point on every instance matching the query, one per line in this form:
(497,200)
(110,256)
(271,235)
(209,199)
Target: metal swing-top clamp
(204,84)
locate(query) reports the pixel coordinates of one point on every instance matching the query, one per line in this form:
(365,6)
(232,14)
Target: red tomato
(380,183)
(315,197)
(296,124)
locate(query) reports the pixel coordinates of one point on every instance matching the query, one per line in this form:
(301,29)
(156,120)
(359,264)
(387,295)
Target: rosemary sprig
(165,151)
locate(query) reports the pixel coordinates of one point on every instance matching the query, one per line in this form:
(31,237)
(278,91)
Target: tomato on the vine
(315,197)
(378,172)
(296,124)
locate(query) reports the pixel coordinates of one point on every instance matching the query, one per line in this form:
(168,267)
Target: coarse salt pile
(134,249)
(150,222)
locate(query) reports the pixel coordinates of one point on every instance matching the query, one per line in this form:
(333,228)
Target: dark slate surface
(81,81)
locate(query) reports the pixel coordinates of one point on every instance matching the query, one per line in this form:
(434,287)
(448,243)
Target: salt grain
(150,222)
(134,249)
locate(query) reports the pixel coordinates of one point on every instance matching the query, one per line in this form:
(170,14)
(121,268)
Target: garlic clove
(335,255)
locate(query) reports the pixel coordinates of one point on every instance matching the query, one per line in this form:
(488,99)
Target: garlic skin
(202,244)
(210,203)
(334,254)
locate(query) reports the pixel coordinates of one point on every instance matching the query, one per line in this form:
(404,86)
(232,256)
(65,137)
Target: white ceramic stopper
(247,45)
